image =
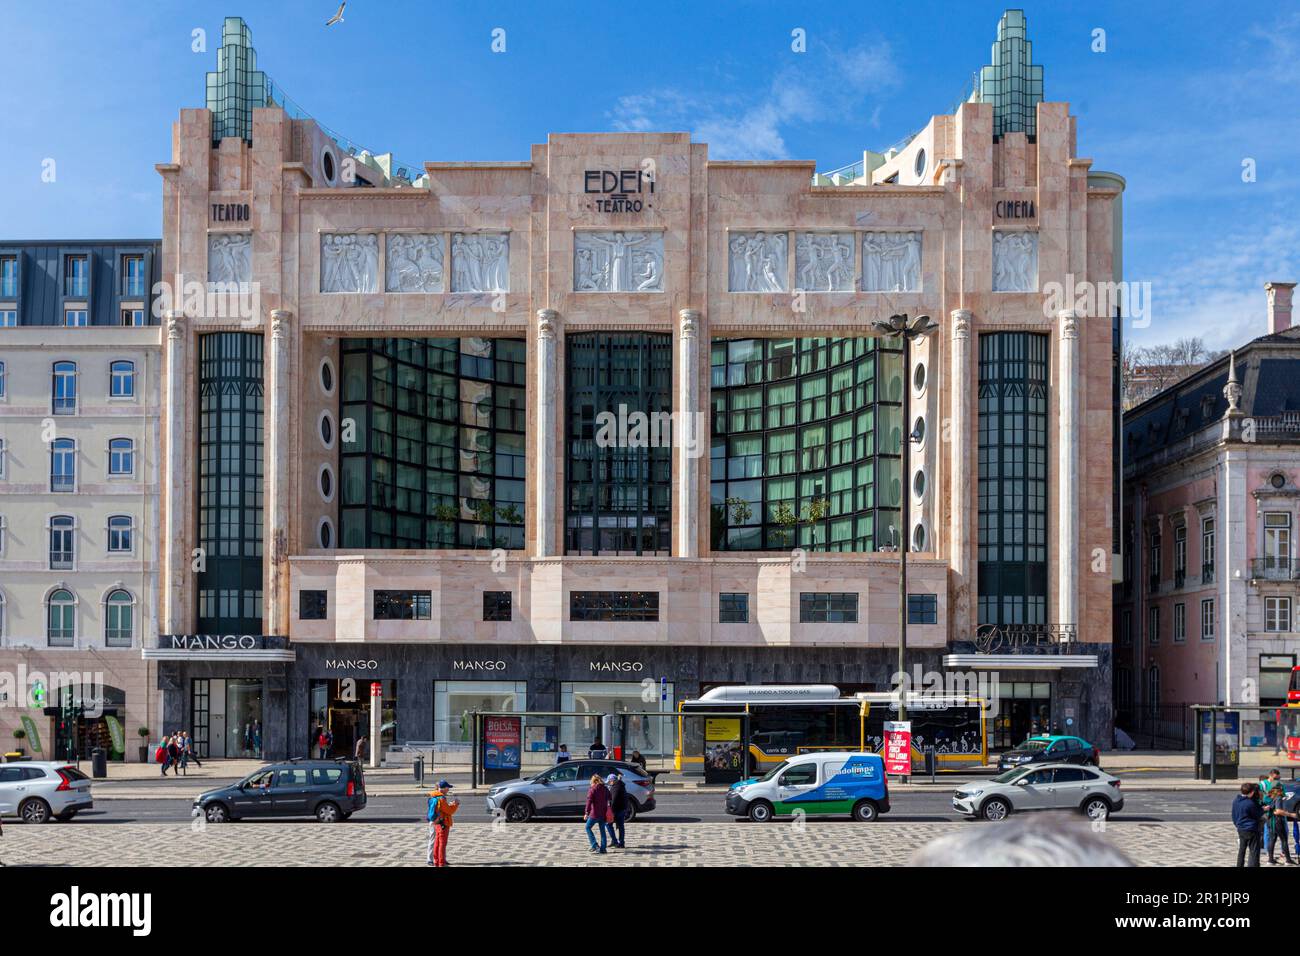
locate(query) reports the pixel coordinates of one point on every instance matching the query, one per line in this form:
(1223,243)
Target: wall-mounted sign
(625,667)
(619,190)
(1015,209)
(221,642)
(478,665)
(230,212)
(337,665)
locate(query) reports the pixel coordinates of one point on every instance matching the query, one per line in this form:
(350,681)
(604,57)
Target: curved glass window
(437,457)
(618,441)
(805,444)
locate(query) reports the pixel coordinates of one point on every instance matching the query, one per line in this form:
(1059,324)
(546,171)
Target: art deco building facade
(398,466)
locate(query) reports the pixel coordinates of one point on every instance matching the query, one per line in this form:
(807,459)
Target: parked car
(834,783)
(1050,748)
(1059,786)
(329,790)
(561,791)
(37,791)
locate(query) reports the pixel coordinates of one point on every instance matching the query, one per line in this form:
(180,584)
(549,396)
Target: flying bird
(338,17)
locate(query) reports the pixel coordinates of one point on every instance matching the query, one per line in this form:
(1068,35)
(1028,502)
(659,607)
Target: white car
(1052,786)
(37,791)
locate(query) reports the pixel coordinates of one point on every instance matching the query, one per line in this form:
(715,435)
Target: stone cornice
(357,193)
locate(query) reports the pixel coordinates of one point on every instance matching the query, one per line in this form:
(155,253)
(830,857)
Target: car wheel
(216,813)
(65,816)
(1096,808)
(630,813)
(865,811)
(518,810)
(760,811)
(35,810)
(329,813)
(995,809)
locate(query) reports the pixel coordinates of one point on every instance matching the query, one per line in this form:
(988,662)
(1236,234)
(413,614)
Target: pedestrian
(442,806)
(162,756)
(597,750)
(187,748)
(563,754)
(359,752)
(322,742)
(618,805)
(597,812)
(1275,814)
(637,761)
(1248,818)
(1266,784)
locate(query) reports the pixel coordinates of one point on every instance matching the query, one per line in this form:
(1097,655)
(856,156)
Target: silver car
(561,791)
(37,791)
(1055,786)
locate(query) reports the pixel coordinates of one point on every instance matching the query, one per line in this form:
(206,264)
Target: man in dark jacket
(1248,818)
(618,803)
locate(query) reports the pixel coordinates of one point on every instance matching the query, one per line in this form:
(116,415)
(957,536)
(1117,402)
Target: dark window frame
(828,607)
(614,606)
(313,604)
(498,606)
(390,605)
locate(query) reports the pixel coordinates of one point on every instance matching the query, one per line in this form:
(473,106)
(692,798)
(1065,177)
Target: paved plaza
(820,843)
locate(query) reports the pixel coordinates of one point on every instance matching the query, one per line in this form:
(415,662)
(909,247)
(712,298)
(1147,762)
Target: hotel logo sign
(620,190)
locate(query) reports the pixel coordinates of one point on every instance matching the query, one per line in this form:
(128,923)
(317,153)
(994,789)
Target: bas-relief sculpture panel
(413,263)
(758,262)
(823,261)
(480,262)
(1015,261)
(230,257)
(618,261)
(891,262)
(349,263)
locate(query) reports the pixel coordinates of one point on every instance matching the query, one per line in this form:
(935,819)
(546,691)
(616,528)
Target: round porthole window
(918,485)
(920,163)
(327,376)
(326,481)
(327,429)
(918,431)
(327,164)
(918,538)
(1278,480)
(918,376)
(325,533)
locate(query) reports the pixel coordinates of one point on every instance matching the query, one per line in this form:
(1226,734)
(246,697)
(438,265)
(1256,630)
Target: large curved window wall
(231,402)
(618,480)
(805,444)
(432,443)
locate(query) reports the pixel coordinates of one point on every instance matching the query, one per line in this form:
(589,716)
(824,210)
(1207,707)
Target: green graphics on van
(859,776)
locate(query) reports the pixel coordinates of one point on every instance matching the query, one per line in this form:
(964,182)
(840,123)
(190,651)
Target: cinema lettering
(1015,209)
(623,190)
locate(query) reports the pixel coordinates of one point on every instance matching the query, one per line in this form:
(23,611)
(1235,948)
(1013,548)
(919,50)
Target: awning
(266,655)
(1019,662)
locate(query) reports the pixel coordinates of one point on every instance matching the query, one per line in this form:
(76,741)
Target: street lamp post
(907,330)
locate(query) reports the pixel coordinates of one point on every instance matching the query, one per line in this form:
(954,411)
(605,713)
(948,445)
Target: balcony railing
(1207,573)
(1274,569)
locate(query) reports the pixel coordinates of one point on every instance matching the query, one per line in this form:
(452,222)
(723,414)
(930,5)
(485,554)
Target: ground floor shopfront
(277,708)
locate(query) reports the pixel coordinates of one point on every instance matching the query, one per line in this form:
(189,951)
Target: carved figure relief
(618,261)
(891,262)
(349,262)
(480,262)
(823,261)
(1015,261)
(758,262)
(230,257)
(413,263)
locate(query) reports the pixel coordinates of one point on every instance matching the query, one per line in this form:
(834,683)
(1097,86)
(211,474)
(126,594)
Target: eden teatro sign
(622,190)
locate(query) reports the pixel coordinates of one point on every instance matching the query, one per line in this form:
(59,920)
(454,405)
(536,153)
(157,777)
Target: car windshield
(1010,775)
(1033,744)
(775,770)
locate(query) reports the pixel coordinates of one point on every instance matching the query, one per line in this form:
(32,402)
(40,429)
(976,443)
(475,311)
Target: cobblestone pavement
(819,843)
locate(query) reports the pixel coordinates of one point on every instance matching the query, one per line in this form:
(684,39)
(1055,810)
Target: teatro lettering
(623,190)
(230,212)
(1015,209)
(628,667)
(478,665)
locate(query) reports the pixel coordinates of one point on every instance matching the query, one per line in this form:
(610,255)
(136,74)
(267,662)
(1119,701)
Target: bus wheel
(760,811)
(865,811)
(995,809)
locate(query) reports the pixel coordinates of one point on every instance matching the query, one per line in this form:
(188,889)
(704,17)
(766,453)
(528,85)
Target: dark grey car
(561,791)
(329,790)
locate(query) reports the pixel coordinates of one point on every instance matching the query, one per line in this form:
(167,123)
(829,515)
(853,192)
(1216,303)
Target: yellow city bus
(785,720)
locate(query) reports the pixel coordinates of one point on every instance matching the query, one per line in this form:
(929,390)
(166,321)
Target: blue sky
(1181,96)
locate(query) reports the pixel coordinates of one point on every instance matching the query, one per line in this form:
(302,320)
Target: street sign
(898,747)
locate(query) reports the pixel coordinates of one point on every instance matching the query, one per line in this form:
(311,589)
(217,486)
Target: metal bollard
(930,761)
(417,770)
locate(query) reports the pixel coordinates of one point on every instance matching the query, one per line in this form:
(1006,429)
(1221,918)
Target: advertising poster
(898,747)
(1226,742)
(501,743)
(722,753)
(33,738)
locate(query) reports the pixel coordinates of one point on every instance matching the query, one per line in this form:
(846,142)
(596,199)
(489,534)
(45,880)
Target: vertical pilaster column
(689,434)
(1232,571)
(1069,495)
(959,410)
(278,456)
(547,423)
(176,535)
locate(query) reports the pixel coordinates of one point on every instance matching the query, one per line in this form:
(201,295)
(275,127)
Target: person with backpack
(442,806)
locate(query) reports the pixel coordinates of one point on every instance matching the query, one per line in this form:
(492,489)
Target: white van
(834,783)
